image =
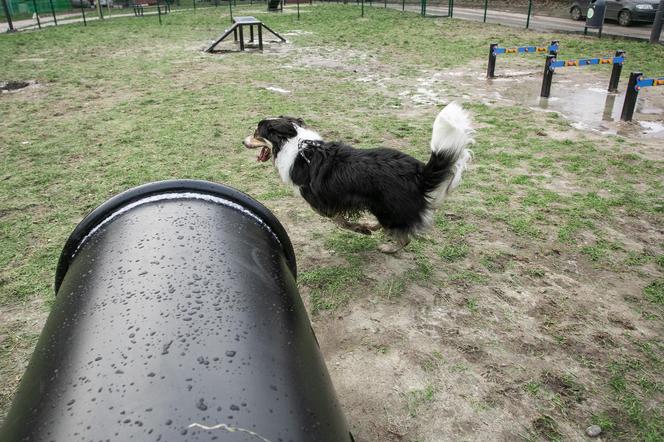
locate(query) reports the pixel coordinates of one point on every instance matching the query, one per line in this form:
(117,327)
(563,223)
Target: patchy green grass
(417,399)
(331,287)
(548,221)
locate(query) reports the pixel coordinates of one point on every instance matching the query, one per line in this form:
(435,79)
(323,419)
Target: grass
(545,209)
(417,399)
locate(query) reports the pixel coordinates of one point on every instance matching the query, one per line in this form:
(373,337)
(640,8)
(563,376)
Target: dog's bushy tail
(450,156)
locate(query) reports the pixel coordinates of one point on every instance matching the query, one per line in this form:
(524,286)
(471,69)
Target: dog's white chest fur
(289,151)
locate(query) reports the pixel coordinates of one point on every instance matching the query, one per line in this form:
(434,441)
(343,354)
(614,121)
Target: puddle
(580,96)
(12,85)
(278,90)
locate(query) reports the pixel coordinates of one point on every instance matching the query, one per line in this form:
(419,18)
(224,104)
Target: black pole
(547,77)
(530,8)
(403,5)
(9,17)
(298,9)
(230,8)
(85,23)
(630,97)
(195,5)
(159,11)
(386,3)
(490,70)
(615,73)
(486,5)
(657,25)
(55,20)
(362,8)
(34,5)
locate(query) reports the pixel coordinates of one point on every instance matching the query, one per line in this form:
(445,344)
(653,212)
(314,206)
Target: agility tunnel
(177,317)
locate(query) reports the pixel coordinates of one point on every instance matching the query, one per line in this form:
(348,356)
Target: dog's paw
(389,248)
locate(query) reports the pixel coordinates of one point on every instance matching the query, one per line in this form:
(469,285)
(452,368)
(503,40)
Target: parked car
(625,12)
(81,4)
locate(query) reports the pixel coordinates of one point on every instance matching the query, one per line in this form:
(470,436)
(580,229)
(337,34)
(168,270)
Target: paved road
(537,22)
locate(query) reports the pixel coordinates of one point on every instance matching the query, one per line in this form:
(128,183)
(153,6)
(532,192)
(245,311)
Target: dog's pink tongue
(264,155)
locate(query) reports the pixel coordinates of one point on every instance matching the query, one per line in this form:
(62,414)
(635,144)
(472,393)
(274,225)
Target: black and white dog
(341,182)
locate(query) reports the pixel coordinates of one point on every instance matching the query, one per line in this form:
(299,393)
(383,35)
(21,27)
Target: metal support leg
(492,61)
(630,97)
(548,76)
(615,73)
(234,34)
(260,37)
(241,38)
(251,33)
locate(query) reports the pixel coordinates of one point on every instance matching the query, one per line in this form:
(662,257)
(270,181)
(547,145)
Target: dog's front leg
(390,248)
(342,222)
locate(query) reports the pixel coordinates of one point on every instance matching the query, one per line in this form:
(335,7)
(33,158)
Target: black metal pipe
(615,73)
(491,67)
(547,78)
(34,6)
(85,23)
(8,14)
(656,30)
(631,96)
(177,317)
(55,20)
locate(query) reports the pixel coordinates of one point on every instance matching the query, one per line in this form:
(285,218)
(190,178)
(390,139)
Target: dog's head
(271,134)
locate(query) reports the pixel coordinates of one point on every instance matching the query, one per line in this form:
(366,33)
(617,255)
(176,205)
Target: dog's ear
(300,122)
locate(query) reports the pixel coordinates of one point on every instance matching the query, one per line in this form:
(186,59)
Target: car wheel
(624,18)
(575,13)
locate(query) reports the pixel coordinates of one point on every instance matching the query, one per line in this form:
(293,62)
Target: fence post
(530,8)
(55,20)
(450,8)
(230,8)
(362,8)
(85,23)
(630,97)
(424,8)
(492,61)
(298,9)
(34,6)
(657,25)
(158,11)
(195,5)
(403,5)
(548,76)
(615,73)
(9,17)
(486,5)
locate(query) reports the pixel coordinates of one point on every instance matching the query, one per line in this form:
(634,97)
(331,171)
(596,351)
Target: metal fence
(543,15)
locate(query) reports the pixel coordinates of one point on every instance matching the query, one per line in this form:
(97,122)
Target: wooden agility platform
(239,23)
